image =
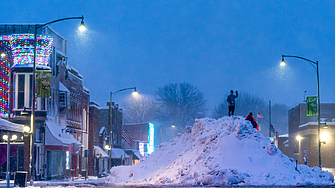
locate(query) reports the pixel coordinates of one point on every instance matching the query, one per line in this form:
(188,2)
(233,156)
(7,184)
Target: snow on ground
(219,152)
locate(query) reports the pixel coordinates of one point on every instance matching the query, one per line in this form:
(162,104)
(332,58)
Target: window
(30,90)
(42,103)
(20,91)
(67,160)
(62,99)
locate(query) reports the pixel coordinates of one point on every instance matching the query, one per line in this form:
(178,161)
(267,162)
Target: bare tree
(180,104)
(279,117)
(245,103)
(140,109)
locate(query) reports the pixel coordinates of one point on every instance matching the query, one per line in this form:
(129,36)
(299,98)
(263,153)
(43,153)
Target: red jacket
(252,120)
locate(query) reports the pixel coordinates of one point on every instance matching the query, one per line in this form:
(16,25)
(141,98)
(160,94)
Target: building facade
(61,118)
(303,135)
(98,139)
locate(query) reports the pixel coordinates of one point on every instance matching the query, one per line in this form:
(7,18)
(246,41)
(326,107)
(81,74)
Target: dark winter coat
(252,120)
(231,99)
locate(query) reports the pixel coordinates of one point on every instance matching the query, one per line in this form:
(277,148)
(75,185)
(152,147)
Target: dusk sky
(214,45)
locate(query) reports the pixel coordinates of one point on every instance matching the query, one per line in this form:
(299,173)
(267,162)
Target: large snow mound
(219,152)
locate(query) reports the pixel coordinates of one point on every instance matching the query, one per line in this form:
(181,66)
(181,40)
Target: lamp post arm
(113,93)
(58,20)
(313,63)
(32,127)
(111,121)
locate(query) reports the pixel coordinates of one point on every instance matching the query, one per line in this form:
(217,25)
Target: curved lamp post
(38,26)
(315,64)
(111,119)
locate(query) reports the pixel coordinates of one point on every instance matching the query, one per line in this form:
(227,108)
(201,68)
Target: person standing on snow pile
(252,120)
(231,102)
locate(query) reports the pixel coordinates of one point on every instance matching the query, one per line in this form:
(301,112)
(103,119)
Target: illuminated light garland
(4,85)
(21,48)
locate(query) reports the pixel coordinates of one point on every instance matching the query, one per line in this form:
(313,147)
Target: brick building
(101,134)
(61,117)
(98,138)
(303,135)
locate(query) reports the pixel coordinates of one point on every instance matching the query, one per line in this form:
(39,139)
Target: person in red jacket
(252,120)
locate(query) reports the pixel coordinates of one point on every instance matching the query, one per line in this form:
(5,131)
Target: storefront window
(68,159)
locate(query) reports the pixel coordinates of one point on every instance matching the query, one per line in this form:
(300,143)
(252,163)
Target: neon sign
(151,137)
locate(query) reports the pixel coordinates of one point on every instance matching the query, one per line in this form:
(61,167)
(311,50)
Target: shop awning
(56,138)
(10,126)
(117,153)
(138,154)
(100,153)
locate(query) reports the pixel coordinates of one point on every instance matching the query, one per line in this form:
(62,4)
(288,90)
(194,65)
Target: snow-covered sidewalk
(91,181)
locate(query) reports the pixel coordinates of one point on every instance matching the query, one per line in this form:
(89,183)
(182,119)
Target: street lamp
(111,119)
(315,64)
(38,26)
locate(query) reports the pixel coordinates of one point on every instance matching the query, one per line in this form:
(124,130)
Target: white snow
(219,152)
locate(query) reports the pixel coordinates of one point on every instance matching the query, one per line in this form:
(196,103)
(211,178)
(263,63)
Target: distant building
(303,135)
(283,143)
(105,139)
(98,139)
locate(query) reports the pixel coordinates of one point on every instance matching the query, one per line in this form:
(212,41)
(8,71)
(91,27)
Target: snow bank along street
(219,152)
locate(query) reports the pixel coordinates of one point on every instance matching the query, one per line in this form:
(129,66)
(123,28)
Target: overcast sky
(214,45)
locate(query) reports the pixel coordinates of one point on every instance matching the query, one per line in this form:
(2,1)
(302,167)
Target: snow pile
(219,152)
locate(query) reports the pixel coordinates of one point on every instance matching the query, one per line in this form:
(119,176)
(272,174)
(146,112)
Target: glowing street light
(282,63)
(315,64)
(14,137)
(26,129)
(5,137)
(324,137)
(135,93)
(38,26)
(82,26)
(111,119)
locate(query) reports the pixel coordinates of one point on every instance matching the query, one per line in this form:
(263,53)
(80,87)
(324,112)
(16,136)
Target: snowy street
(91,182)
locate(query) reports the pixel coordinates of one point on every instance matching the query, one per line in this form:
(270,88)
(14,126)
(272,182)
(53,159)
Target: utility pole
(269,118)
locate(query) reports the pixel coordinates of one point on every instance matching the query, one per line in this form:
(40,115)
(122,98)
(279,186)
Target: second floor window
(62,99)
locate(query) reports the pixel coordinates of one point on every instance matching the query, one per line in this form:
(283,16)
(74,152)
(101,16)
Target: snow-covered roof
(117,152)
(42,67)
(100,153)
(102,130)
(316,123)
(94,104)
(56,137)
(62,87)
(283,135)
(85,89)
(10,126)
(138,154)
